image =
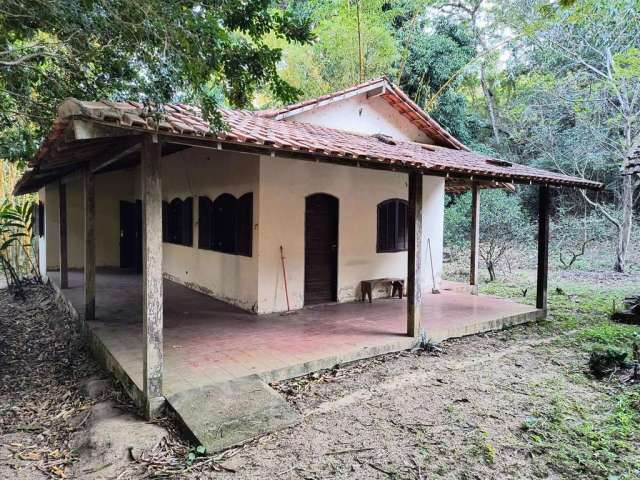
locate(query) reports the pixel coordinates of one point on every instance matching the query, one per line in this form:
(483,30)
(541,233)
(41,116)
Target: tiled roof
(390,93)
(247,129)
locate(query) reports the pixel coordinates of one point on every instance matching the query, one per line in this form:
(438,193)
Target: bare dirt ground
(511,404)
(457,414)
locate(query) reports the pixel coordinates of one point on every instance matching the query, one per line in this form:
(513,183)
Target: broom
(433,277)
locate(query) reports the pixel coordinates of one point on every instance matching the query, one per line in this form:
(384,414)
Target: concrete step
(224,414)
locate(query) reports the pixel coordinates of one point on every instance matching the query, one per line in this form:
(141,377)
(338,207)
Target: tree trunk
(624,233)
(491,270)
(491,106)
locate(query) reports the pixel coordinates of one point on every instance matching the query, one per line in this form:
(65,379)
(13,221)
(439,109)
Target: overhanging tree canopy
(150,49)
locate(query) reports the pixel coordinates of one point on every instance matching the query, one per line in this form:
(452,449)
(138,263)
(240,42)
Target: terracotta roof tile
(303,138)
(391,93)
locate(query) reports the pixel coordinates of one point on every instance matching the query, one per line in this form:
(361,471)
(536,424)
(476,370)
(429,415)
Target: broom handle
(433,278)
(284,274)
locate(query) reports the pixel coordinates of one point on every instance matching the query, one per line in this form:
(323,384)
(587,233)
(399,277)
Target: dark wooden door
(321,249)
(131,235)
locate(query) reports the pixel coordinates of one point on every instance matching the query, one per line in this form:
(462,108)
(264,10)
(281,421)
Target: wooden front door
(321,249)
(131,235)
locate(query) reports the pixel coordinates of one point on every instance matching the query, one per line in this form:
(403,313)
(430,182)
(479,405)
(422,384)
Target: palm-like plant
(17,252)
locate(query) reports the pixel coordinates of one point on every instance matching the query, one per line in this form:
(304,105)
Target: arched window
(177,219)
(392,226)
(226,224)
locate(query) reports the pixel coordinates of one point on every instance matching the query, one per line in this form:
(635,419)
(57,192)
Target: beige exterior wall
(284,185)
(194,172)
(279,188)
(364,115)
(110,189)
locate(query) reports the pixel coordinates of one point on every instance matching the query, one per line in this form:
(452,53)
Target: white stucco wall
(194,172)
(284,185)
(360,114)
(432,229)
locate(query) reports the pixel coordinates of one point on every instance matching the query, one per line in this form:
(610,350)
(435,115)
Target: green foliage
(150,49)
(604,360)
(195,452)
(588,440)
(331,62)
(433,58)
(17,255)
(503,225)
(595,433)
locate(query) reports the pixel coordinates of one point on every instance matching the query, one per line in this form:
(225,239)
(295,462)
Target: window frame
(393,241)
(236,217)
(177,221)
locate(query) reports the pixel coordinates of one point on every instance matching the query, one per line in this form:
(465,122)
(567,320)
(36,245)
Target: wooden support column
(152,300)
(89,246)
(63,248)
(414,256)
(475,238)
(543,247)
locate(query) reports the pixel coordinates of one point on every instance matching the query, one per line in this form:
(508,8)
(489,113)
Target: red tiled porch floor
(208,341)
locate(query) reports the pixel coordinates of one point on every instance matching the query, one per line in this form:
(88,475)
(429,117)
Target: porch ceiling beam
(152,296)
(414,256)
(126,148)
(475,238)
(100,155)
(543,247)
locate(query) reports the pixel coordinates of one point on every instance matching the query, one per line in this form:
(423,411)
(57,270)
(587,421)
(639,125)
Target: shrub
(503,225)
(604,360)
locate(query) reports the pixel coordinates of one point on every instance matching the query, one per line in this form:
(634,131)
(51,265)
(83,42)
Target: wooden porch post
(63,260)
(152,300)
(414,256)
(89,246)
(475,237)
(543,247)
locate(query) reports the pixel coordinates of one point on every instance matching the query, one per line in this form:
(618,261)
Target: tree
(572,233)
(332,61)
(478,15)
(154,50)
(577,104)
(430,67)
(503,225)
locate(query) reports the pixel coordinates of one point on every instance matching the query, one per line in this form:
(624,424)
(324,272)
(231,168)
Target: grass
(587,428)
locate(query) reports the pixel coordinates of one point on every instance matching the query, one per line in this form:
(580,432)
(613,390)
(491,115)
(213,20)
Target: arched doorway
(321,249)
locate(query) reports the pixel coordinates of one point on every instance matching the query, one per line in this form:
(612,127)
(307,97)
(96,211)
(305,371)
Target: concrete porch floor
(207,341)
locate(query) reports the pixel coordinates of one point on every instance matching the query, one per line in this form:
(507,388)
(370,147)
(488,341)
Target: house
(285,209)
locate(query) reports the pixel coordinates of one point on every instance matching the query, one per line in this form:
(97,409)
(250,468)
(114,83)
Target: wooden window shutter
(224,223)
(187,222)
(381,243)
(392,226)
(402,230)
(175,221)
(41,219)
(204,222)
(244,225)
(165,221)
